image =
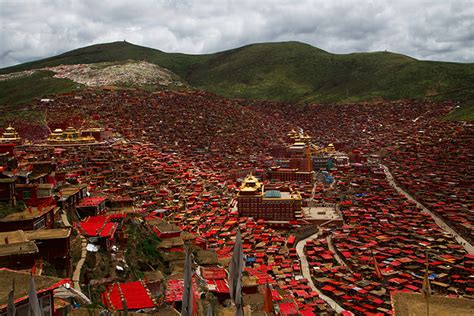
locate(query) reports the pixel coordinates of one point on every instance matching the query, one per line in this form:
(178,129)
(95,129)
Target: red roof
(174,290)
(105,218)
(101,225)
(213,273)
(307,312)
(91,201)
(98,229)
(219,286)
(291,240)
(135,295)
(288,309)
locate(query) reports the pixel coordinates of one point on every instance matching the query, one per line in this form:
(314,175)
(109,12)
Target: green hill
(293,71)
(116,51)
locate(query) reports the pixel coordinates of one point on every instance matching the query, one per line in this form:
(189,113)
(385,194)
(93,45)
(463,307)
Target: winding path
(307,274)
(438,220)
(65,220)
(77,272)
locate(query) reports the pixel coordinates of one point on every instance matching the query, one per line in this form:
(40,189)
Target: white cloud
(436,30)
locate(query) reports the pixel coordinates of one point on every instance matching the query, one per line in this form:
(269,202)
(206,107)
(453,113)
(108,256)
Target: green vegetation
(302,73)
(9,113)
(116,51)
(141,253)
(41,83)
(292,71)
(18,91)
(464,113)
(6,209)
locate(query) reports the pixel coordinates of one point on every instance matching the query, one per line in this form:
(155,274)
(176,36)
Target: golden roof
(250,183)
(69,136)
(299,144)
(10,135)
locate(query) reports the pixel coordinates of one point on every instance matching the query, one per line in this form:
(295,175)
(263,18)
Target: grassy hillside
(299,72)
(18,91)
(116,51)
(293,71)
(23,89)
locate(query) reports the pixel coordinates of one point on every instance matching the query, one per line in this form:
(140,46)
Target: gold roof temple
(251,184)
(70,136)
(10,136)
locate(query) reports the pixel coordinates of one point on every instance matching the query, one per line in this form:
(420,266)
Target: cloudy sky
(424,29)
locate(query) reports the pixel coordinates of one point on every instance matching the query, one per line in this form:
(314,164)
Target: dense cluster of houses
(384,230)
(177,164)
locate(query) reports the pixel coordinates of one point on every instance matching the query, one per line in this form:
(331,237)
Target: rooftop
(27,214)
(19,248)
(135,294)
(250,183)
(18,236)
(22,281)
(91,201)
(98,229)
(53,233)
(272,194)
(12,237)
(163,226)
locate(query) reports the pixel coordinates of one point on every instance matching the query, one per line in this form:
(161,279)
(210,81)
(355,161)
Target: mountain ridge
(292,72)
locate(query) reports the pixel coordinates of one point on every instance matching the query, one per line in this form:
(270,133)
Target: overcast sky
(430,29)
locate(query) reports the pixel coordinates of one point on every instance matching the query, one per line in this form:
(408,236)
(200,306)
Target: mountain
(286,71)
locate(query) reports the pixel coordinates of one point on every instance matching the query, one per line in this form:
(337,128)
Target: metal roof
(273,194)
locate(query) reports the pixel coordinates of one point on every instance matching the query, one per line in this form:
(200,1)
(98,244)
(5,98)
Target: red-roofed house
(91,206)
(136,296)
(99,230)
(216,281)
(287,309)
(44,289)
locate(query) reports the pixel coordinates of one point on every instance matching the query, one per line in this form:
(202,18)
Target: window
(26,194)
(42,193)
(39,223)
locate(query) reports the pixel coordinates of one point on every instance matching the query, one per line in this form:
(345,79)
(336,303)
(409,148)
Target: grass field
(14,93)
(23,89)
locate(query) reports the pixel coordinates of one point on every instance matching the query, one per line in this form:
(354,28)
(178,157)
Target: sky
(425,29)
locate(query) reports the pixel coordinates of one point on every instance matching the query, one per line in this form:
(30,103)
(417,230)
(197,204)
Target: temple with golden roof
(324,158)
(10,136)
(275,205)
(294,160)
(300,157)
(70,136)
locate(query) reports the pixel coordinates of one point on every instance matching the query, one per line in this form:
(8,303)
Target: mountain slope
(110,52)
(293,71)
(299,72)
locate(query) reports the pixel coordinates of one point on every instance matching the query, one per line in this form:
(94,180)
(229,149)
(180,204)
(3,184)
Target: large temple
(70,136)
(275,205)
(325,158)
(10,136)
(294,161)
(297,159)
